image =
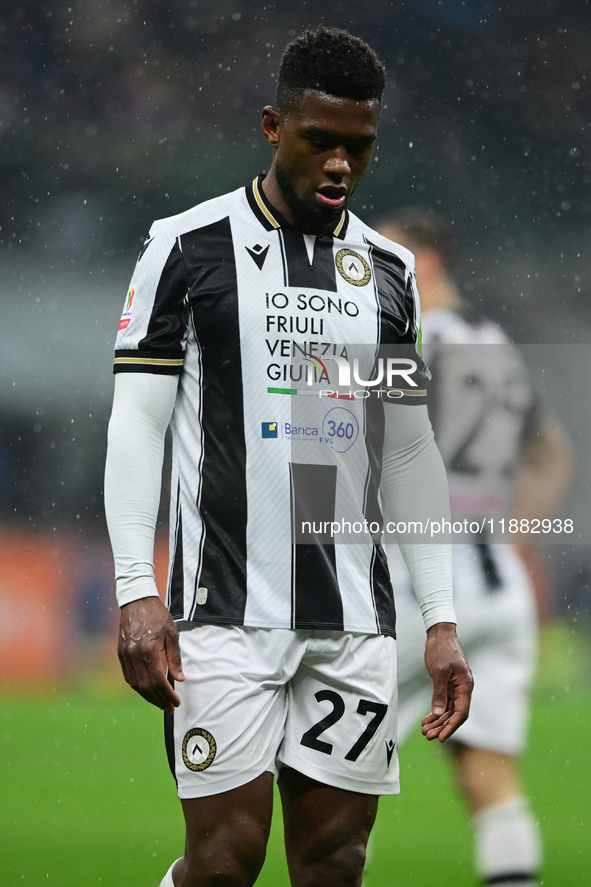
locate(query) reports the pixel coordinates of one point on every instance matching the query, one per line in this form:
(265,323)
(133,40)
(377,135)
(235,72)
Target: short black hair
(332,61)
(424,228)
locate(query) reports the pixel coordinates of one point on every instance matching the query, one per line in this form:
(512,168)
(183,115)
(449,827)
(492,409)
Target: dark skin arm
(452,682)
(148,646)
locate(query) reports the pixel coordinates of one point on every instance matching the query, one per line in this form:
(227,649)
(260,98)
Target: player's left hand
(452,682)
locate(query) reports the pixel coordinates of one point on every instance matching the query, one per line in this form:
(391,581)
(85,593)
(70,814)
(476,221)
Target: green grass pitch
(87,798)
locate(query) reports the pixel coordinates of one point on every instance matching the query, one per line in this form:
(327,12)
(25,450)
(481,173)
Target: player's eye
(319,144)
(357,149)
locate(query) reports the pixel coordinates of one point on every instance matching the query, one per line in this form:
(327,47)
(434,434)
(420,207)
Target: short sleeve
(153,327)
(407,376)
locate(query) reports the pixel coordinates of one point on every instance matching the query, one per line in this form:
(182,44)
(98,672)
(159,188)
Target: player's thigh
(227,833)
(341,721)
(230,722)
(326,830)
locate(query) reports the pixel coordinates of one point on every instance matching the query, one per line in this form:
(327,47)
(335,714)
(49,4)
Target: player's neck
(274,195)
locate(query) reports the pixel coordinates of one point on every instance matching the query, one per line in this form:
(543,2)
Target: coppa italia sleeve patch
(127,309)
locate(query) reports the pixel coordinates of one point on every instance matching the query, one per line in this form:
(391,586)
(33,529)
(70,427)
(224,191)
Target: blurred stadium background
(118,112)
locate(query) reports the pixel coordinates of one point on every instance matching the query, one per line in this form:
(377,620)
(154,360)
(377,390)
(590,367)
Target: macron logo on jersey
(258,254)
(390,746)
(269,429)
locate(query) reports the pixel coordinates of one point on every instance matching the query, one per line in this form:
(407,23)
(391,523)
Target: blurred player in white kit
(504,459)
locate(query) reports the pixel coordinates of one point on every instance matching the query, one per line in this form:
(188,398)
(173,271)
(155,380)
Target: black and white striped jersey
(258,320)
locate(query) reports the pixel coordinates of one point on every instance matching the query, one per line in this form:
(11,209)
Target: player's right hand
(148,646)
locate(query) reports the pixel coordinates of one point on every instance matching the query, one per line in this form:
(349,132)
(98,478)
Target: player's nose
(337,164)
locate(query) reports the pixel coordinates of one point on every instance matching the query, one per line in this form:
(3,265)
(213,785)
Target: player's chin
(326,216)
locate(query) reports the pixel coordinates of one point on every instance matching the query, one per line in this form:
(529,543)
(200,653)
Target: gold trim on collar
(261,204)
(339,227)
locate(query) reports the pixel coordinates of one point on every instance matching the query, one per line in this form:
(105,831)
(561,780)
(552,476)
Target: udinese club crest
(199,749)
(353,267)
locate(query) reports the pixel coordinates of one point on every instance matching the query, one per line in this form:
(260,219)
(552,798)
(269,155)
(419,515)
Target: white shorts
(321,702)
(498,631)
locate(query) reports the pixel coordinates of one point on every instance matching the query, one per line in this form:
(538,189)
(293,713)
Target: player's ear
(271,124)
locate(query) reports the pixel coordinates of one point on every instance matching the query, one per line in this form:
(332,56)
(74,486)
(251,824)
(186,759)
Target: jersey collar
(270,218)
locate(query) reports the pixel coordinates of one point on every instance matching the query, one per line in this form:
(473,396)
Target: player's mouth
(332,196)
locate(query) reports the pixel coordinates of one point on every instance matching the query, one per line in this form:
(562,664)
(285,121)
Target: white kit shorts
(321,702)
(497,628)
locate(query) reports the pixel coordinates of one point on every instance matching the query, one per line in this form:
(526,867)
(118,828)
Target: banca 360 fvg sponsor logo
(339,430)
